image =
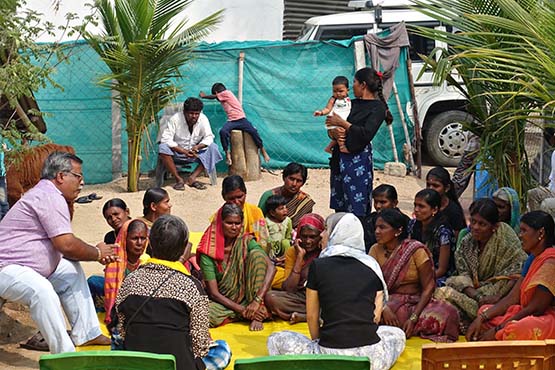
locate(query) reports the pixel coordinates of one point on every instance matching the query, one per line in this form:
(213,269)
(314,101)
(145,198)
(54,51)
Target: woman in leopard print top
(160,308)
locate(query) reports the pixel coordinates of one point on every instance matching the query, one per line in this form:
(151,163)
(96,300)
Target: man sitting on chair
(187,136)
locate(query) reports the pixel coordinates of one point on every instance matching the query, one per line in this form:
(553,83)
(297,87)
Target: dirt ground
(194,207)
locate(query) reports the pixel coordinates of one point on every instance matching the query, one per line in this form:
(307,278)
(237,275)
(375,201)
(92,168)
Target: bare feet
(101,340)
(296,318)
(256,325)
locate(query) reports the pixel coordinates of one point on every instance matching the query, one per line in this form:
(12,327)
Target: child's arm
(327,109)
(204,96)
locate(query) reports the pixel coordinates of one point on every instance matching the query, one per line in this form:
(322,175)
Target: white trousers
(382,355)
(68,286)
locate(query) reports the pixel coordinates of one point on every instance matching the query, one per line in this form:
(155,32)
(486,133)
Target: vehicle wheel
(445,139)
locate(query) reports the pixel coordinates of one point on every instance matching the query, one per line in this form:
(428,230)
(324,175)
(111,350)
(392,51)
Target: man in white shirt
(187,136)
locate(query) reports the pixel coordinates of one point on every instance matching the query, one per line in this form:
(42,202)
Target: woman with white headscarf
(347,287)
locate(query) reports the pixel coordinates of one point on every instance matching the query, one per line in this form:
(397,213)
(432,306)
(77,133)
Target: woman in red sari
(527,312)
(408,271)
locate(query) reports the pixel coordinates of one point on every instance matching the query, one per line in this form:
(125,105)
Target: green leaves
(144,49)
(504,51)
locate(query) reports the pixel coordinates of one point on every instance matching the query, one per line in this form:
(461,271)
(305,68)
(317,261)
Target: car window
(306,32)
(418,44)
(341,32)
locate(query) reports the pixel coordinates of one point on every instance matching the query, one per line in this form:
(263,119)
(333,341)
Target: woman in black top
(351,174)
(347,286)
(439,180)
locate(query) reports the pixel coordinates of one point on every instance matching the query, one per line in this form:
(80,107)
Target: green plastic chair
(107,360)
(304,362)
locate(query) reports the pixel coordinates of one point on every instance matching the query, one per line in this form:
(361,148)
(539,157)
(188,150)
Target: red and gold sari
(439,321)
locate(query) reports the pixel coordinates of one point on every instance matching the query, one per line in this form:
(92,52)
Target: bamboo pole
(417,131)
(240,77)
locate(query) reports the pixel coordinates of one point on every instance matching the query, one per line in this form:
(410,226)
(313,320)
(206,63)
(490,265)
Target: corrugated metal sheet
(298,11)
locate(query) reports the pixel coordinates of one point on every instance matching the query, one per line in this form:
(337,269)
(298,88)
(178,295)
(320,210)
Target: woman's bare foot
(297,317)
(101,340)
(256,325)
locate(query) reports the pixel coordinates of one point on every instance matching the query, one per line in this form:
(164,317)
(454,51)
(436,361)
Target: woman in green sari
(236,270)
(488,260)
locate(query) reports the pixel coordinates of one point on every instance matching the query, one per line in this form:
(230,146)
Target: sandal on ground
(35,343)
(179,186)
(84,199)
(94,196)
(197,185)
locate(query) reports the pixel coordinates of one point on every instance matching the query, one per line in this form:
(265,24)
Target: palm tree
(144,49)
(504,53)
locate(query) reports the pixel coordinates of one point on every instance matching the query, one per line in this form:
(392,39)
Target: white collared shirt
(175,132)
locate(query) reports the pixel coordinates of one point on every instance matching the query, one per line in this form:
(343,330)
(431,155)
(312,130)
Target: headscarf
(311,219)
(510,196)
(212,241)
(347,240)
(114,273)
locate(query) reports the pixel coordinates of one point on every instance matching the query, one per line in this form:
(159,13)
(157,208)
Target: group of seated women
(429,276)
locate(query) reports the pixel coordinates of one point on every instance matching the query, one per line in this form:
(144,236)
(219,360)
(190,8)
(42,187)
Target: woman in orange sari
(132,241)
(527,312)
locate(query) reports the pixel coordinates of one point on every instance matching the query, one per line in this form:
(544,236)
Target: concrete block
(397,169)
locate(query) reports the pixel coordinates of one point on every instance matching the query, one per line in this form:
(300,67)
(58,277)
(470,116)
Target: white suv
(441,109)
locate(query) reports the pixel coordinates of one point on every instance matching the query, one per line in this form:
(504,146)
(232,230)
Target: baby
(340,104)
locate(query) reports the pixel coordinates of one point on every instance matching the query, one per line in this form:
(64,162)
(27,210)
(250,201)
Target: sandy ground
(193,206)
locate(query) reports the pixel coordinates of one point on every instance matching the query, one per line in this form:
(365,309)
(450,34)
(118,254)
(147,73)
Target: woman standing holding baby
(352,173)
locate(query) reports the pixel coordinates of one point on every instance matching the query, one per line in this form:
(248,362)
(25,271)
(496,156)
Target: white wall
(242,19)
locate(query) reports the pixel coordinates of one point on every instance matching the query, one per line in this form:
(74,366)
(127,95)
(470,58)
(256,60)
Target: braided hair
(374,83)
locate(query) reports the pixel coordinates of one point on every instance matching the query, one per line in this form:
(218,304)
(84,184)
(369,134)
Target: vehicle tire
(444,139)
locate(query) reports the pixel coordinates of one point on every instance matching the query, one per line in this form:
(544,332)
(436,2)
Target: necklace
(388,252)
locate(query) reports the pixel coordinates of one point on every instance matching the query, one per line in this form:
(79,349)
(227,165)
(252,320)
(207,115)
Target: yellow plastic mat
(249,344)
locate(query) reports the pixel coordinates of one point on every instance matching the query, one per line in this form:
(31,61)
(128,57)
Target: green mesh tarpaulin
(284,83)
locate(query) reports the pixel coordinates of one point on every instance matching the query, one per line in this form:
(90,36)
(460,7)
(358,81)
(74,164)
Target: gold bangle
(257,299)
(413,318)
(484,315)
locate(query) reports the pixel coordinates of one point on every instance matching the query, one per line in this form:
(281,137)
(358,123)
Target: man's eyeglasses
(78,175)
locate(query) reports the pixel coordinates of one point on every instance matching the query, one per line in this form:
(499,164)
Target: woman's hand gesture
(488,335)
(473,332)
(335,120)
(250,310)
(390,318)
(301,252)
(408,328)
